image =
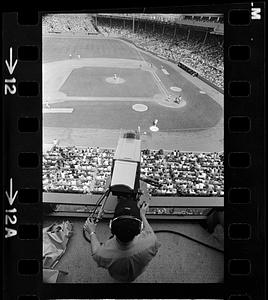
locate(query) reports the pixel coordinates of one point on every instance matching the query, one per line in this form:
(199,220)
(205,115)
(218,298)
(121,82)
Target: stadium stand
(85,170)
(213,19)
(68,23)
(190,49)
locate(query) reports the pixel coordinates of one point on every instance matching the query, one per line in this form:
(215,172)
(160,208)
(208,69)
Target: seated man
(128,252)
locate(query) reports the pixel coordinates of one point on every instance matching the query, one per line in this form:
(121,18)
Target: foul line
(160,84)
(157,79)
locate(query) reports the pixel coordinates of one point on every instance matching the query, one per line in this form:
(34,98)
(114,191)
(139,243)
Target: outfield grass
(55,49)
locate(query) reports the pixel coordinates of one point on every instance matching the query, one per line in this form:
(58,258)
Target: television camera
(125,180)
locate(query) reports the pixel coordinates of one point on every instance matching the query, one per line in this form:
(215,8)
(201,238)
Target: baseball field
(92,84)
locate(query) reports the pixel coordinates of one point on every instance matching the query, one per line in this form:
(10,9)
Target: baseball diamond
(103,80)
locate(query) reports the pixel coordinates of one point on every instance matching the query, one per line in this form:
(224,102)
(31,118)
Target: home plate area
(140,107)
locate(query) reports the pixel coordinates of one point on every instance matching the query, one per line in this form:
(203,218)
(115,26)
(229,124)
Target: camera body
(125,178)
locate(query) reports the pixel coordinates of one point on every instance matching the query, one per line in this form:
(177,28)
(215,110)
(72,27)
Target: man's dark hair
(125,229)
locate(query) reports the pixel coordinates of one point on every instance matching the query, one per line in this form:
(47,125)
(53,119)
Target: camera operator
(133,244)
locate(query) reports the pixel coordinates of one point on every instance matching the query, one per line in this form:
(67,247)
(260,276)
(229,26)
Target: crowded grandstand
(71,23)
(205,57)
(85,170)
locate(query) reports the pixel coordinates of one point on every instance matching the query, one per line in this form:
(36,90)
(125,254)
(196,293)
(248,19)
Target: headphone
(125,217)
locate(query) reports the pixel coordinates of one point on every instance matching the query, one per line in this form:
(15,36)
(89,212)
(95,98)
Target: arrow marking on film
(10,197)
(11,67)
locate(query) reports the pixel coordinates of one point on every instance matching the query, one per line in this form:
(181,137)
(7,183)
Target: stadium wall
(152,150)
(156,201)
(67,34)
(211,84)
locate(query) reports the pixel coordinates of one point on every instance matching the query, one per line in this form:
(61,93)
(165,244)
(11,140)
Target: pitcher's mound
(113,80)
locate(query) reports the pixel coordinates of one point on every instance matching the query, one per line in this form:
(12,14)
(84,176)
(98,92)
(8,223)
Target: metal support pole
(145,25)
(133,25)
(110,22)
(175,29)
(153,26)
(205,38)
(124,23)
(188,34)
(163,31)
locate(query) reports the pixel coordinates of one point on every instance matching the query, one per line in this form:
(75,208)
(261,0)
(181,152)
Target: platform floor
(179,260)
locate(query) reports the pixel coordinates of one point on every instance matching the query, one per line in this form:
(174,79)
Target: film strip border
(244,152)
(244,162)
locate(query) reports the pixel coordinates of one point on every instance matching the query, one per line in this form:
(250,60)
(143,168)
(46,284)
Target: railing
(176,208)
(168,19)
(200,24)
(82,199)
